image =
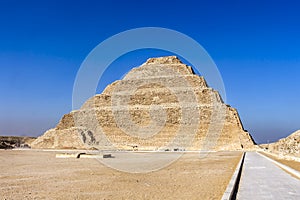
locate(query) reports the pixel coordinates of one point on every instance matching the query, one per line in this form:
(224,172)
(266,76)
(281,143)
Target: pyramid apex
(164,60)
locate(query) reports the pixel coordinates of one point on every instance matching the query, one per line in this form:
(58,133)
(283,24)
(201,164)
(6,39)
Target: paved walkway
(262,179)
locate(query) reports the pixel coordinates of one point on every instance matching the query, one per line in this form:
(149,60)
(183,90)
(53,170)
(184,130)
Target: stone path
(262,179)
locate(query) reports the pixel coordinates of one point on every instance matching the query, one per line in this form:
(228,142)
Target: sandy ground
(39,175)
(292,164)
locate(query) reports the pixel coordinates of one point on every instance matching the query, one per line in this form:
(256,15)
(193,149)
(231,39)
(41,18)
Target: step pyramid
(160,105)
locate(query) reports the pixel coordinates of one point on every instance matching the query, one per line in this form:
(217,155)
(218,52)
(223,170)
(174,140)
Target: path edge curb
(290,170)
(233,183)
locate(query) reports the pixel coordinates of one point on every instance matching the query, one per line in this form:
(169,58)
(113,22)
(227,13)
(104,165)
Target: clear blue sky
(255,44)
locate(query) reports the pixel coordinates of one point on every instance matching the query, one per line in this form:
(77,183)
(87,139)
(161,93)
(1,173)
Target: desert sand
(37,174)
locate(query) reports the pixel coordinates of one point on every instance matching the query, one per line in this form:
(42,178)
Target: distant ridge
(9,142)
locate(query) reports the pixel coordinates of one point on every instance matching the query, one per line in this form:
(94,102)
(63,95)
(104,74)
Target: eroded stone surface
(287,148)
